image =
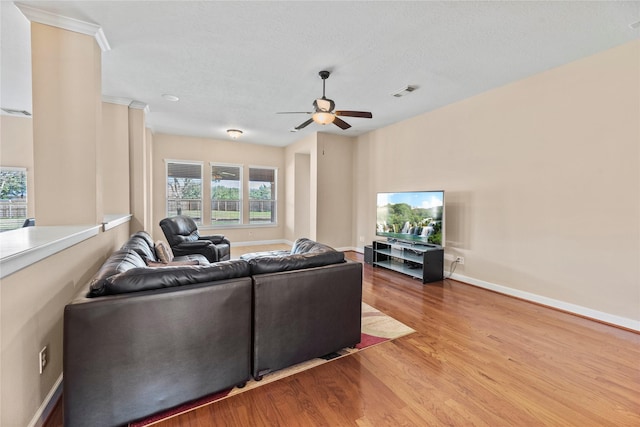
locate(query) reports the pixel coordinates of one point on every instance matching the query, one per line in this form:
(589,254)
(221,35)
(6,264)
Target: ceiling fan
(324,113)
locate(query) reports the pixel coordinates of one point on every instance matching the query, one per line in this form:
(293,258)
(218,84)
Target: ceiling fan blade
(340,123)
(294,112)
(304,125)
(363,114)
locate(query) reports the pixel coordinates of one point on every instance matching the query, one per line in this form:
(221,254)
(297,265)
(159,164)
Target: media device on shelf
(411,216)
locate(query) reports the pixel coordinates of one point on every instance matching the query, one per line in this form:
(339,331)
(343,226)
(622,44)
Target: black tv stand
(419,260)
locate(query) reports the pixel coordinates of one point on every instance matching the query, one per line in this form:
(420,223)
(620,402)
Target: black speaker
(368,254)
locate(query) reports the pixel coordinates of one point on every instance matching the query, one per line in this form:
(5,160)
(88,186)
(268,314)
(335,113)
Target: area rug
(377,328)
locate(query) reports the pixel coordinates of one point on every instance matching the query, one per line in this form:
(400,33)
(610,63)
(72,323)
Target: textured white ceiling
(235,64)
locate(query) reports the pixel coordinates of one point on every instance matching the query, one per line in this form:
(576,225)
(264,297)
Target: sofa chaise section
(306,304)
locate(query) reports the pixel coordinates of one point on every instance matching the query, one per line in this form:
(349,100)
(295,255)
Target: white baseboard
(589,313)
(47,405)
(550,302)
(349,248)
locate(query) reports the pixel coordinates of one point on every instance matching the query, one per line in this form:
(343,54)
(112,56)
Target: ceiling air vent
(404,91)
(17,112)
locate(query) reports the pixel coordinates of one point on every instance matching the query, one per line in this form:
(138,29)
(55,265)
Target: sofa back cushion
(148,278)
(142,243)
(120,261)
(307,246)
(305,253)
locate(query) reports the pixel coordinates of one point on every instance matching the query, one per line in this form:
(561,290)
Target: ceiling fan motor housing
(324,104)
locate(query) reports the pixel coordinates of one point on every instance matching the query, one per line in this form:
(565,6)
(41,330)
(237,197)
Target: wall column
(138,167)
(67,126)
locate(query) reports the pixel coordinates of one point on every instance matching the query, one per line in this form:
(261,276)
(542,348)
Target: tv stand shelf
(418,260)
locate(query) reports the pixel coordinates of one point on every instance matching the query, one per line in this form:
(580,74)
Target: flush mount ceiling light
(170,97)
(234,133)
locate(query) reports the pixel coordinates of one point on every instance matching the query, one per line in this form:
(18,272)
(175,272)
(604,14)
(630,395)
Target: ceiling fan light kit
(323,117)
(324,113)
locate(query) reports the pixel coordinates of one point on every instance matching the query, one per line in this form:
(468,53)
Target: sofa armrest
(192,244)
(216,239)
(202,247)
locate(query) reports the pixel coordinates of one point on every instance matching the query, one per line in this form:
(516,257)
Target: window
(262,195)
(226,194)
(13,197)
(184,189)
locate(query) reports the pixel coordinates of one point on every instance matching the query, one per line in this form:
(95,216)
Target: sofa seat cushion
(147,278)
(171,264)
(196,258)
(252,255)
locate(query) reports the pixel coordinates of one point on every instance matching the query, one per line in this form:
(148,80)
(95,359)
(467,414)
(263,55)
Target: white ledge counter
(25,246)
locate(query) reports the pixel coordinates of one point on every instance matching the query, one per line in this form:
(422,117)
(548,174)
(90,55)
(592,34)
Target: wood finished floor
(478,358)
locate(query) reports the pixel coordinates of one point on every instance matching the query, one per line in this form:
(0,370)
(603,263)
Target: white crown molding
(139,105)
(66,23)
(136,105)
(116,100)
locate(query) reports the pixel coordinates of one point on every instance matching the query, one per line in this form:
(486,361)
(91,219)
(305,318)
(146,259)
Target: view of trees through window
(262,196)
(226,194)
(184,190)
(185,195)
(13,197)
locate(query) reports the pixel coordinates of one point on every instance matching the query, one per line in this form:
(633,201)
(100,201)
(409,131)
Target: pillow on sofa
(143,279)
(164,252)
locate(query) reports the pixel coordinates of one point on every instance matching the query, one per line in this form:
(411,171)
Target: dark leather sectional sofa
(139,339)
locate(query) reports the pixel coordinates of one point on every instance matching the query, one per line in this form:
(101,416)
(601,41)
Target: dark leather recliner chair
(182,235)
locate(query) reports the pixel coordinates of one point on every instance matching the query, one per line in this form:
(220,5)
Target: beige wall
(139,171)
(335,190)
(32,301)
(302,204)
(541,178)
(16,150)
(115,158)
(67,120)
(184,148)
(66,144)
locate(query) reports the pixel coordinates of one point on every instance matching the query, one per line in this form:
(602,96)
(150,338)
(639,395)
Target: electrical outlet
(43,357)
(460,260)
(361,239)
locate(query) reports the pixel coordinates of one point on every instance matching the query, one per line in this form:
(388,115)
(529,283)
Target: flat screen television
(411,216)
